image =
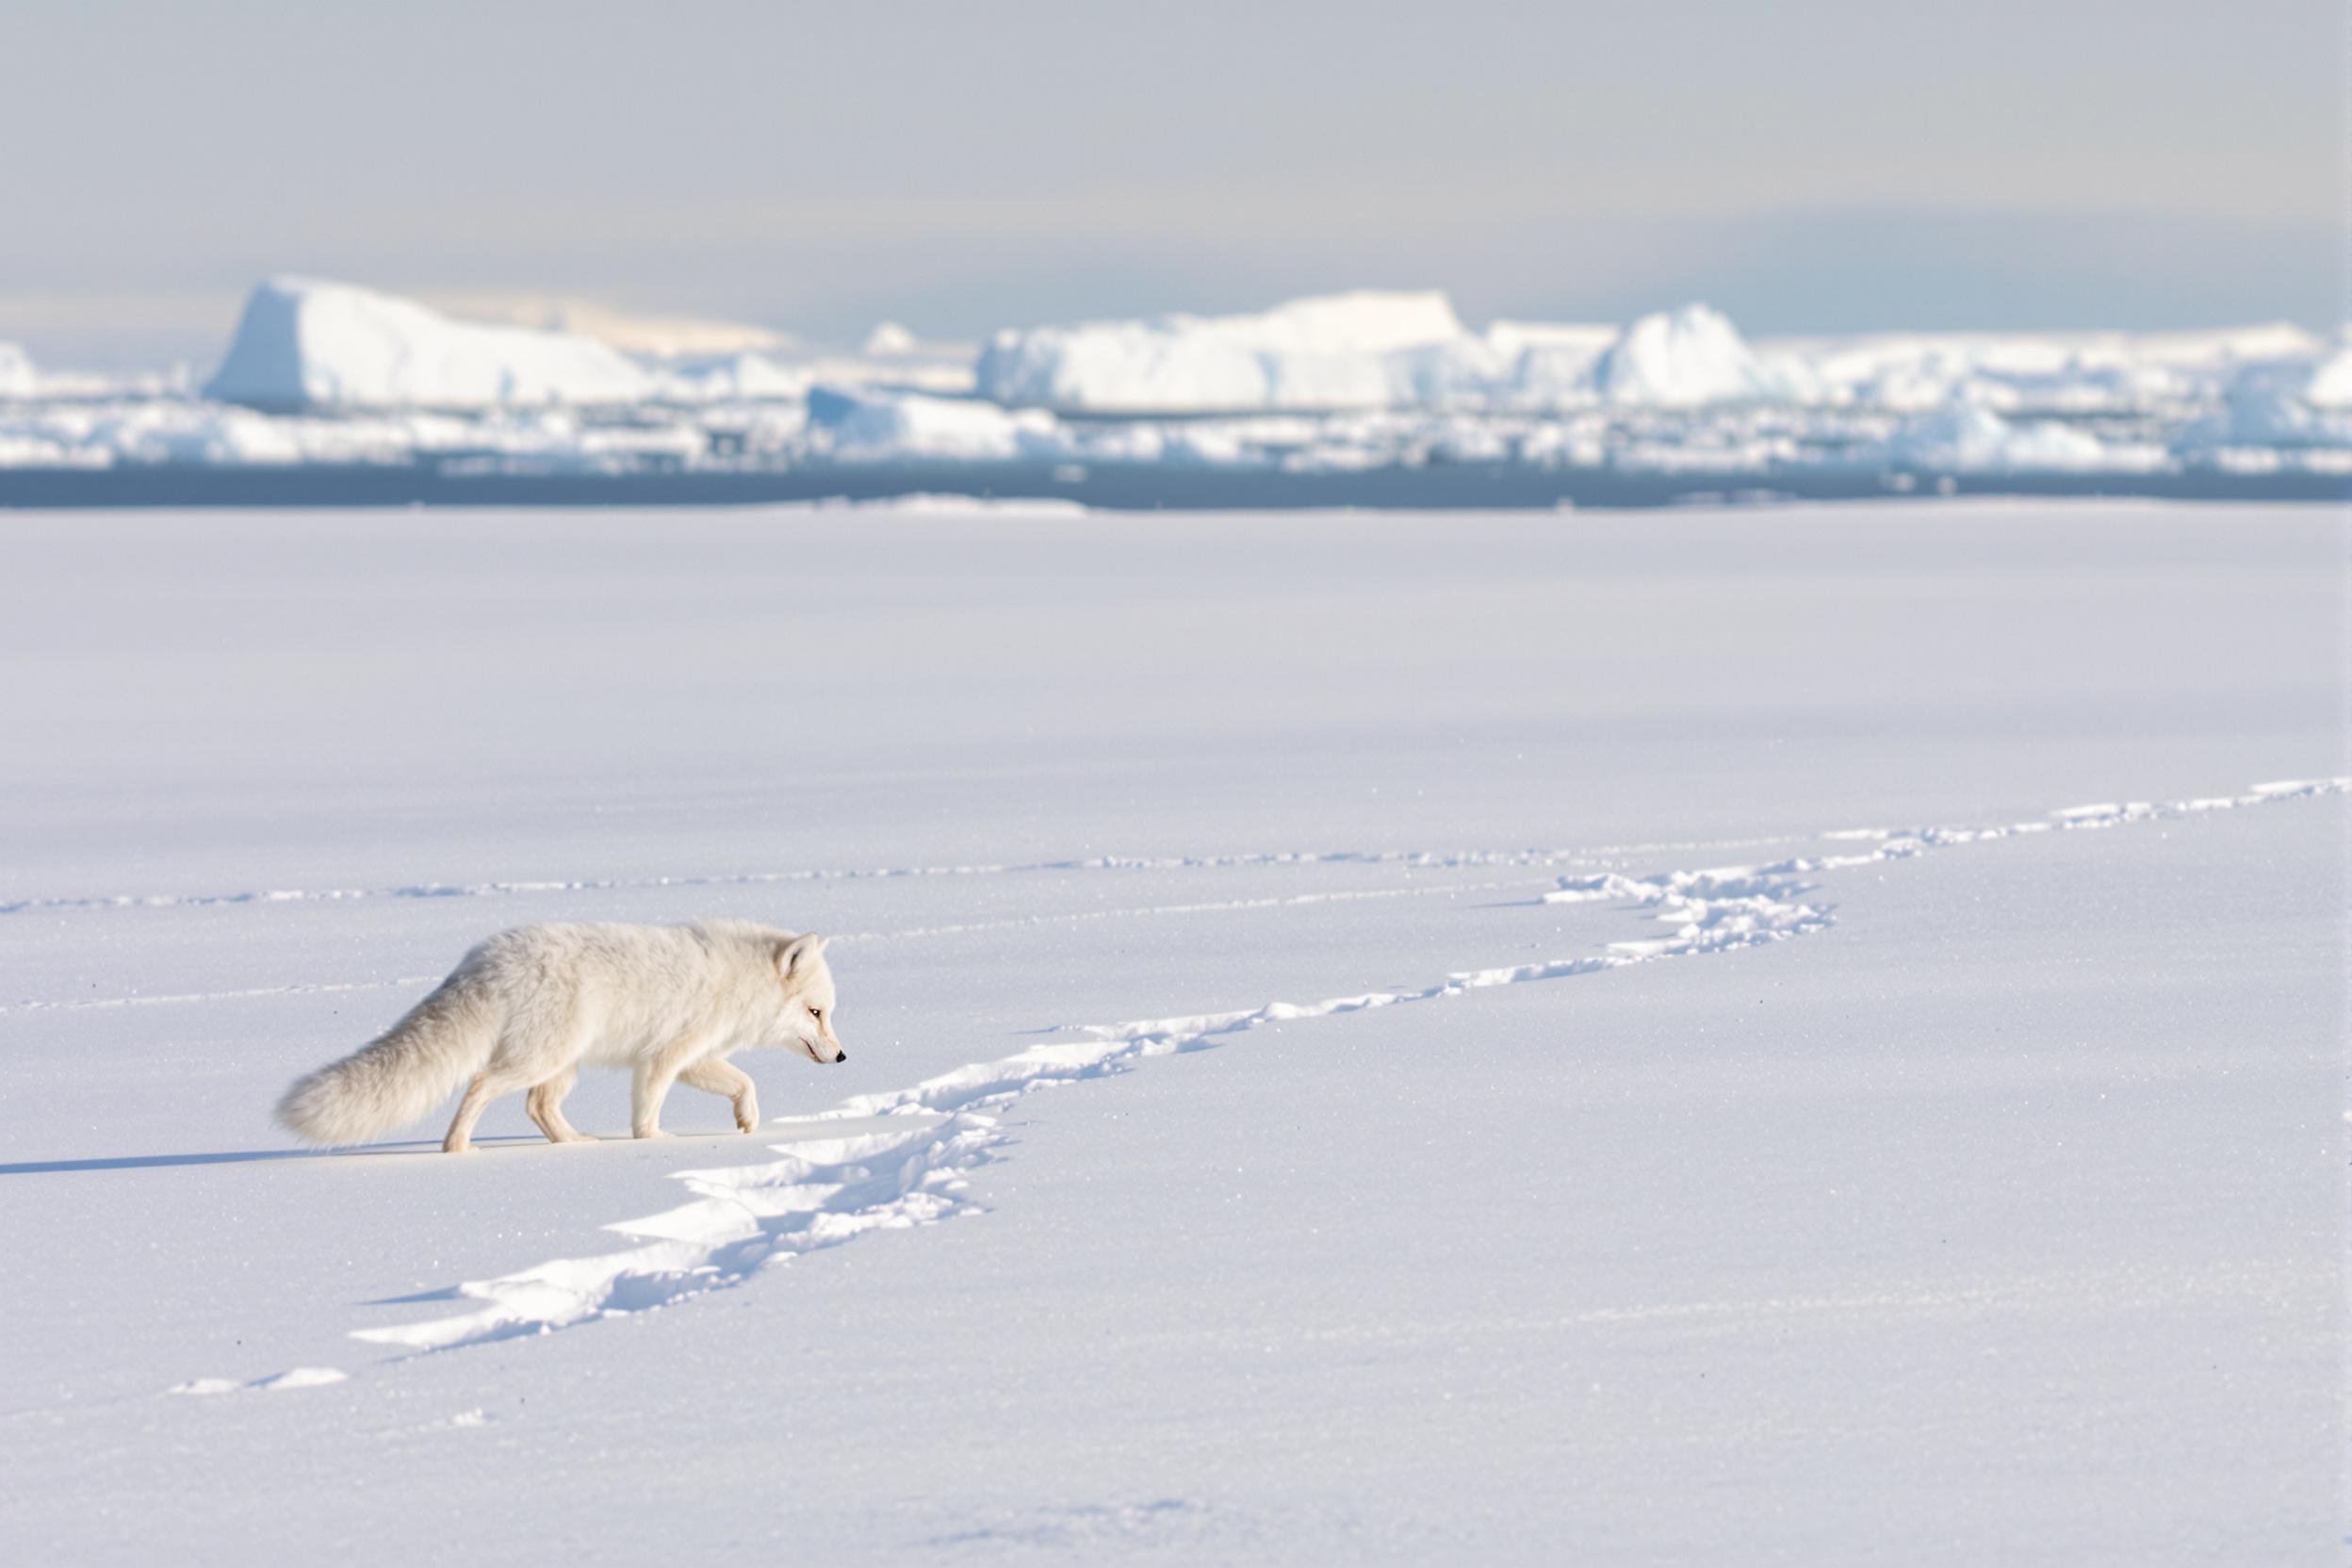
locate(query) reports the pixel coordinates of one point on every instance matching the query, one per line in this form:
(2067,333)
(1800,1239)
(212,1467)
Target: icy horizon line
(666,333)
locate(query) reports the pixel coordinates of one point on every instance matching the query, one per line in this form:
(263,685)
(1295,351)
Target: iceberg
(653,336)
(1550,364)
(733,378)
(2330,383)
(1969,440)
(1683,359)
(1336,351)
(864,424)
(2265,411)
(2073,373)
(18,379)
(1371,350)
(1339,388)
(304,344)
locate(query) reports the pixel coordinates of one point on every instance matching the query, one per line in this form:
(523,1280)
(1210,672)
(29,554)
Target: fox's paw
(747,1118)
(652,1132)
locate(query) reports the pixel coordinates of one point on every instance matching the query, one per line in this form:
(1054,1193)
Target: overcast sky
(1806,167)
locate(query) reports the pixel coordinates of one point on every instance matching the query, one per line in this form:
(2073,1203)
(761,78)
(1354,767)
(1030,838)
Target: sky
(1806,167)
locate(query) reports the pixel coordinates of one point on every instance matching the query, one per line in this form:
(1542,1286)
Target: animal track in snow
(827,1190)
(912,933)
(300,1376)
(1430,860)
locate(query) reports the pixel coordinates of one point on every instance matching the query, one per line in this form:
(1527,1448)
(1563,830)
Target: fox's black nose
(841,1055)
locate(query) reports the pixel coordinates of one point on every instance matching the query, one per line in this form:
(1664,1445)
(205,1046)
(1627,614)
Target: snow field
(1962,1193)
(825,1192)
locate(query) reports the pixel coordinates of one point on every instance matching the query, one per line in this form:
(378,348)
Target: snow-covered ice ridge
(902,1159)
(331,374)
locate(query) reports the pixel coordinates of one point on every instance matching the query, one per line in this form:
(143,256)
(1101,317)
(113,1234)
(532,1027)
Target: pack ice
(330,373)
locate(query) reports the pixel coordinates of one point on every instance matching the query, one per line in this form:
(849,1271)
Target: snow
(1689,357)
(1803,1037)
(1311,353)
(733,378)
(305,344)
(2330,383)
(18,379)
(1387,350)
(1969,440)
(1364,321)
(887,427)
(1354,383)
(635,332)
(2070,371)
(107,433)
(1393,351)
(2263,413)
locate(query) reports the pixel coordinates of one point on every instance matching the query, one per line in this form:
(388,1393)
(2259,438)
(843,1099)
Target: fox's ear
(795,958)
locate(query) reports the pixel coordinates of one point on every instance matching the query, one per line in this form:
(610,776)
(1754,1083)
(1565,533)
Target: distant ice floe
(1969,440)
(1370,351)
(1346,350)
(330,373)
(1376,350)
(891,427)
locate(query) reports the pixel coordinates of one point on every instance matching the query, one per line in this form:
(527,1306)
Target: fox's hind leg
(720,1076)
(487,1085)
(545,1104)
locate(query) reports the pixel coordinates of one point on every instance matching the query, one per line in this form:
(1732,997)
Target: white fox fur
(527,1007)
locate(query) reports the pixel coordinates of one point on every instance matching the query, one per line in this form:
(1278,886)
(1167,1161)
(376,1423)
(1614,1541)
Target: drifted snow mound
(869,425)
(1339,351)
(304,344)
(1683,359)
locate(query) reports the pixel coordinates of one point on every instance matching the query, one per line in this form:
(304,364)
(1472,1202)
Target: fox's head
(808,1018)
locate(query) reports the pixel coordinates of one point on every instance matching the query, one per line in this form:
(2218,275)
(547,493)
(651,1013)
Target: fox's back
(632,988)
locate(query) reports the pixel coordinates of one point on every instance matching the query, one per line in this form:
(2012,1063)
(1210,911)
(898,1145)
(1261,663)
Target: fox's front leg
(650,1084)
(718,1075)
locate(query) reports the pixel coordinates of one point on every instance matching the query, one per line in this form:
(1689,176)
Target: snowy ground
(1910,1195)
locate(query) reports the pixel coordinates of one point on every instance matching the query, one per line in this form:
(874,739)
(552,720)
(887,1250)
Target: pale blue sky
(1806,167)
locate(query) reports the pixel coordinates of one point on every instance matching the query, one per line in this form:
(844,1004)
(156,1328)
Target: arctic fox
(527,1007)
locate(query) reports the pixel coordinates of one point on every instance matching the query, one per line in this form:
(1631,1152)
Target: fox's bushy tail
(404,1072)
